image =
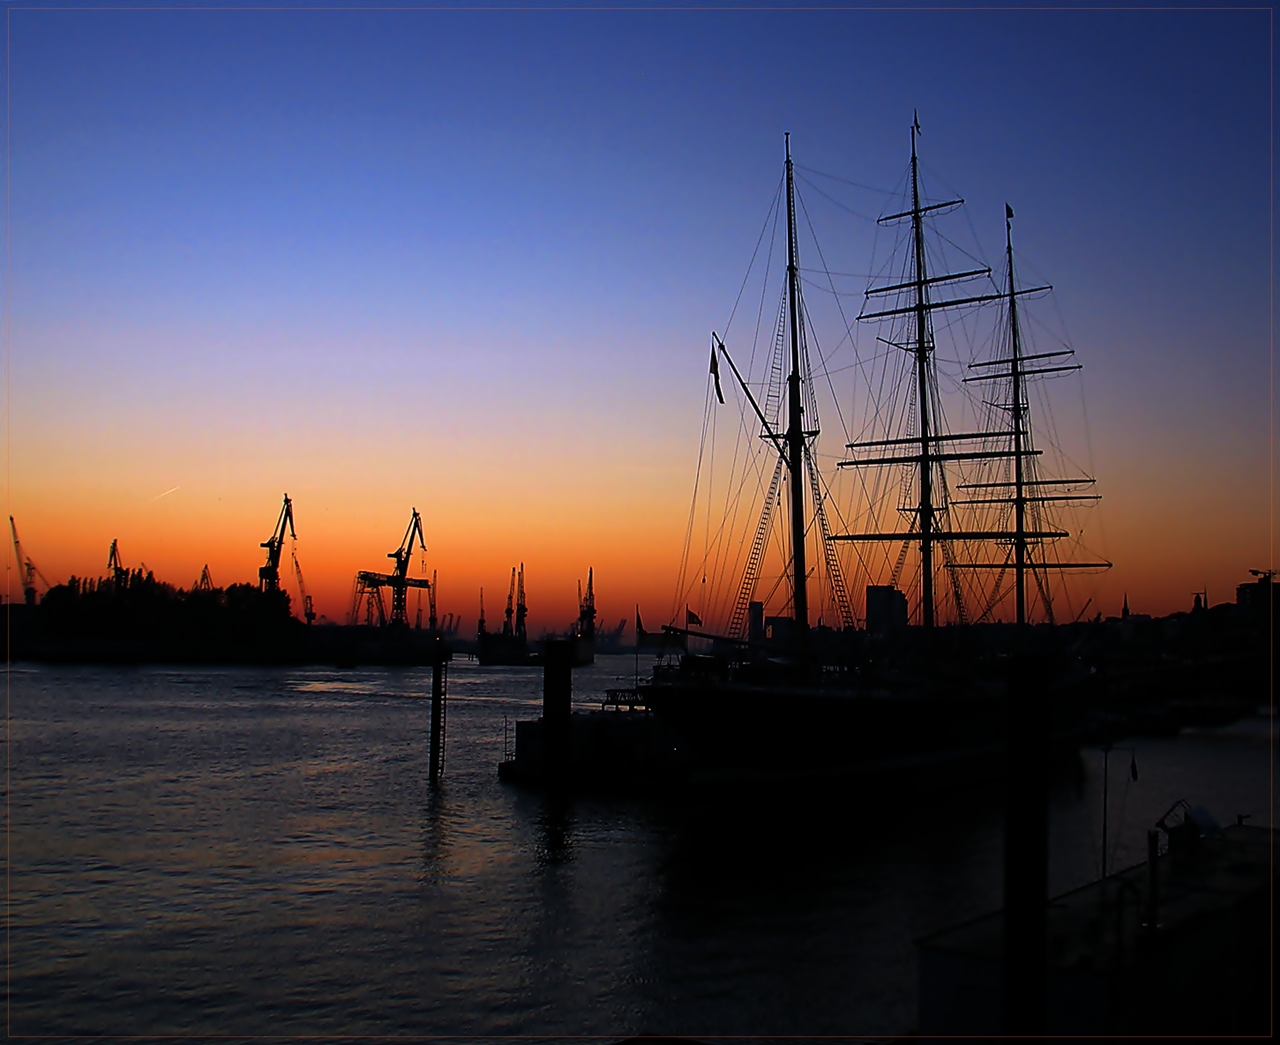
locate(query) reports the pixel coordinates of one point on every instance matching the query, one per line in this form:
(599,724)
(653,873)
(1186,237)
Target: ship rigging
(974,501)
(931,447)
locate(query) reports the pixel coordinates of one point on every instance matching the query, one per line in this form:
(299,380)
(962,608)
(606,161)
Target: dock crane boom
(269,575)
(28,569)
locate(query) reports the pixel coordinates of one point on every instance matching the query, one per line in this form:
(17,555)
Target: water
(250,851)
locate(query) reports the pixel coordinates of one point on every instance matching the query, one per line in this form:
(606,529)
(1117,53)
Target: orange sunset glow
(506,328)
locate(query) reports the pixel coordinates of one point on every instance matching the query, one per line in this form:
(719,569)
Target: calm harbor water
(249,851)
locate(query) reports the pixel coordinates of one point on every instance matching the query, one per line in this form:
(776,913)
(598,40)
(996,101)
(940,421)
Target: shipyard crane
(29,570)
(522,611)
(119,574)
(586,627)
(432,620)
(308,610)
(615,634)
(269,575)
(507,630)
(369,585)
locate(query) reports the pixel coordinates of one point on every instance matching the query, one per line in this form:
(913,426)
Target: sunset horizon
(452,279)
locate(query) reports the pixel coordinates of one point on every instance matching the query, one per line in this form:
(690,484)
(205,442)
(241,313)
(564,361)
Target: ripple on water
(238,851)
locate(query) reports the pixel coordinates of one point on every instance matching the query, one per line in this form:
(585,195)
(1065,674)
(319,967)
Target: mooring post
(557,697)
(436,752)
(1026,850)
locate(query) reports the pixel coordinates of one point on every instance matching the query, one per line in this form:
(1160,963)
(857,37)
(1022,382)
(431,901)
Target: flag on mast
(715,372)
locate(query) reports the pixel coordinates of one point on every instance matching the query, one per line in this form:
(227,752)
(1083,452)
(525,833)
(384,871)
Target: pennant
(691,619)
(639,625)
(715,372)
(1008,212)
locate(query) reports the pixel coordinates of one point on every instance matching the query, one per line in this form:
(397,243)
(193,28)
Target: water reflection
(223,852)
(435,837)
(555,826)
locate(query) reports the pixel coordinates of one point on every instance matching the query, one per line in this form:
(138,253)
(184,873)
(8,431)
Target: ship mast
(920,345)
(933,446)
(1019,479)
(795,449)
(795,428)
(922,384)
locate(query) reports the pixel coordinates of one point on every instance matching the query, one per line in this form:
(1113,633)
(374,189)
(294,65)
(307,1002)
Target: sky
(468,262)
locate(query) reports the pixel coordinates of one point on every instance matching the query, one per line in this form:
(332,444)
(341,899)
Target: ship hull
(929,733)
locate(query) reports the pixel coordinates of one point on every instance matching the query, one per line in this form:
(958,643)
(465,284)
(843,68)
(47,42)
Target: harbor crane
(516,608)
(507,630)
(614,635)
(586,625)
(119,573)
(28,569)
(369,585)
(269,575)
(522,610)
(308,609)
(432,622)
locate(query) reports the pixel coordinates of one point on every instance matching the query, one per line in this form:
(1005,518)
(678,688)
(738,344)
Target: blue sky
(271,248)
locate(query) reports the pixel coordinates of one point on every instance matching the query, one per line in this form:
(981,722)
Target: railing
(628,698)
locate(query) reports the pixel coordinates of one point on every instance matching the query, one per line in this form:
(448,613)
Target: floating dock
(624,748)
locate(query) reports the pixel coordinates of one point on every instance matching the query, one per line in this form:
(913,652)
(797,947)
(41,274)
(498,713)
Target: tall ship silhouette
(941,522)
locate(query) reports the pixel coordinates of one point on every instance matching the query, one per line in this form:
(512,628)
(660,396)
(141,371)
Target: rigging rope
(846,181)
(759,239)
